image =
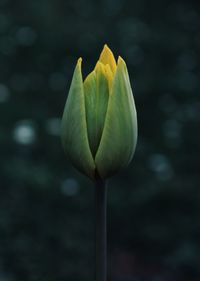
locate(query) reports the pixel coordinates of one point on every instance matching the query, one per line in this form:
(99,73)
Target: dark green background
(46,207)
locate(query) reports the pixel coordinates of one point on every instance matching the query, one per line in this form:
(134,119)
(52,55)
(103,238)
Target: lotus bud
(99,123)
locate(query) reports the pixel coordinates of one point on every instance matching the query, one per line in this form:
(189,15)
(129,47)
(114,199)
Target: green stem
(100,231)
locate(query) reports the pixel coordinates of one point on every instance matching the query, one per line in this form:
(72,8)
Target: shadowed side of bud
(74,128)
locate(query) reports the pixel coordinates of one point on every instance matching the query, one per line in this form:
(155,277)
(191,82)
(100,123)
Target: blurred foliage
(46,207)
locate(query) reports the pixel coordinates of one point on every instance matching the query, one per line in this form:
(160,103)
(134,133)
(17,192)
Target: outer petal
(74,129)
(119,136)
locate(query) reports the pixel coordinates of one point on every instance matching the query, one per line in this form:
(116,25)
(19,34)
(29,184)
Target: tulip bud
(99,124)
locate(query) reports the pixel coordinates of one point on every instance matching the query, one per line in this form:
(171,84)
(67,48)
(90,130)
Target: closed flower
(99,124)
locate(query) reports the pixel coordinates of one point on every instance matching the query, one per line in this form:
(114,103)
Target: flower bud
(99,124)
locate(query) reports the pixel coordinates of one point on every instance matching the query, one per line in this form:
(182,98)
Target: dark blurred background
(46,207)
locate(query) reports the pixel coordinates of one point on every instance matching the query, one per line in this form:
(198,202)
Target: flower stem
(100,231)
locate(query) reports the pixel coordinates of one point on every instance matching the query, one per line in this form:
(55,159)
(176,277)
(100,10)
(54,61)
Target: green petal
(119,136)
(96,101)
(74,129)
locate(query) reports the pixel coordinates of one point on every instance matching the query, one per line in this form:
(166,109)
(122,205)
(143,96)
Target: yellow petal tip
(106,48)
(107,57)
(120,60)
(79,61)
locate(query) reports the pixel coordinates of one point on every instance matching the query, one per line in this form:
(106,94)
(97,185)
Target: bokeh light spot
(26,36)
(24,132)
(70,187)
(4,93)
